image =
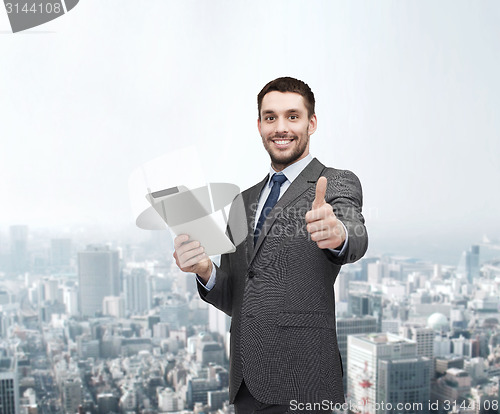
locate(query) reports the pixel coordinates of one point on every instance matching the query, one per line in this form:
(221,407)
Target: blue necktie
(272,199)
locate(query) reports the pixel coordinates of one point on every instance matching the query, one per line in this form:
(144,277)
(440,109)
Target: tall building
(424,337)
(469,264)
(138,290)
(72,395)
(365,262)
(49,290)
(455,386)
(352,326)
(99,276)
(197,390)
(342,286)
(376,272)
(107,403)
(70,299)
(60,252)
(175,312)
(9,387)
(385,368)
(169,400)
(366,303)
(218,321)
(19,249)
(113,306)
(405,381)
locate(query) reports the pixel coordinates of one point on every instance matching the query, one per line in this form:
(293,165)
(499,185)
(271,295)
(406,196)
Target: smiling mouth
(282,142)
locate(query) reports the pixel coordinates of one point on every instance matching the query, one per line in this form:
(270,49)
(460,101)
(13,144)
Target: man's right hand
(190,257)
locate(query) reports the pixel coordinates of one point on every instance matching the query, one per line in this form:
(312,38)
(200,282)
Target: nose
(281,126)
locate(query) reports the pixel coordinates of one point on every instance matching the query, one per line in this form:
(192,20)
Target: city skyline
(149,343)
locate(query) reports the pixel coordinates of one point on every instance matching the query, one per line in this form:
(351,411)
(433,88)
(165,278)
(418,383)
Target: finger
(179,240)
(320,235)
(187,254)
(317,214)
(320,213)
(316,226)
(319,200)
(195,260)
(187,246)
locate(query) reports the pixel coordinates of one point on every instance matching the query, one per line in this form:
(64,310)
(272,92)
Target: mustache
(283,136)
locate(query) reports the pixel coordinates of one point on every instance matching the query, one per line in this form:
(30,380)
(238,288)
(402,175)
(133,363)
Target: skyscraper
(385,368)
(404,381)
(9,388)
(218,321)
(19,249)
(99,276)
(72,395)
(469,264)
(352,326)
(60,252)
(113,306)
(424,337)
(137,286)
(364,303)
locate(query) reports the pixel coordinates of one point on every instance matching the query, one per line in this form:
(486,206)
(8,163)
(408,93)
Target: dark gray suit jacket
(280,293)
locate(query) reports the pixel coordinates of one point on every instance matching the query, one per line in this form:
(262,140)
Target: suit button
(251,274)
(353,256)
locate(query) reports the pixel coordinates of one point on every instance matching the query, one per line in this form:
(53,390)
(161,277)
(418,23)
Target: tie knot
(278,178)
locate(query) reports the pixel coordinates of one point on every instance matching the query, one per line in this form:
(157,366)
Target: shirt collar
(292,171)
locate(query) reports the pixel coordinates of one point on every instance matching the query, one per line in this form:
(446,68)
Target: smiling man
(304,221)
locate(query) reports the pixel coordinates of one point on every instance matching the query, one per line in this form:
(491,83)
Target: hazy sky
(408,97)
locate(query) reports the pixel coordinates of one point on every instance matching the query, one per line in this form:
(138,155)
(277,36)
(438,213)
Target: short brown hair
(287,84)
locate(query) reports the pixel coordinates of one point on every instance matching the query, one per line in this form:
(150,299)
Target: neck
(280,167)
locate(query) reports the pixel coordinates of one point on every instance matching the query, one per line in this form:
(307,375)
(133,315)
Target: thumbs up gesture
(322,224)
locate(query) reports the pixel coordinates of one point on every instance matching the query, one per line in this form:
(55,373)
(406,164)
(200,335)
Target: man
(278,284)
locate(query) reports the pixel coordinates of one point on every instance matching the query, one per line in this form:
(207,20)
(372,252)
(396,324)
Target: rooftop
(385,338)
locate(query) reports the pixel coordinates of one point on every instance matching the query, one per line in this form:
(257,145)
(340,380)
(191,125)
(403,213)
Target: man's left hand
(325,229)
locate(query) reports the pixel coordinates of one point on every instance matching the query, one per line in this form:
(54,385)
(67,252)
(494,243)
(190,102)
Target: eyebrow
(270,111)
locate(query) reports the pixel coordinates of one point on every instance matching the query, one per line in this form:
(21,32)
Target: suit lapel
(301,184)
(251,209)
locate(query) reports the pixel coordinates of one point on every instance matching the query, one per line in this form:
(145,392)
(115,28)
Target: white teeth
(283,142)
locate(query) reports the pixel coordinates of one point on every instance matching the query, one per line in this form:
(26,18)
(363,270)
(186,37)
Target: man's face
(285,127)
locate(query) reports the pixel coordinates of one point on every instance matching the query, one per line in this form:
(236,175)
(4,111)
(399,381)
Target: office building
(71,395)
(138,290)
(404,381)
(424,337)
(19,249)
(352,326)
(99,276)
(60,253)
(468,266)
(113,306)
(366,303)
(218,321)
(9,388)
(385,367)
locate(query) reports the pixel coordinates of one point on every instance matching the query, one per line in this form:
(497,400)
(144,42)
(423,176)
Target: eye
(293,117)
(269,118)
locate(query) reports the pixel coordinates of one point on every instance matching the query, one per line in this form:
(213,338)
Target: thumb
(319,200)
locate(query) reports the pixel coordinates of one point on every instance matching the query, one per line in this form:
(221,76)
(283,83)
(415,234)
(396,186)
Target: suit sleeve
(346,198)
(221,295)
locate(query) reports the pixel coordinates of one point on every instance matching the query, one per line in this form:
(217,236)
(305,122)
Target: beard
(283,159)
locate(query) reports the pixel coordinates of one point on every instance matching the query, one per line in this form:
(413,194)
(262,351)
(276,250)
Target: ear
(313,123)
(258,125)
